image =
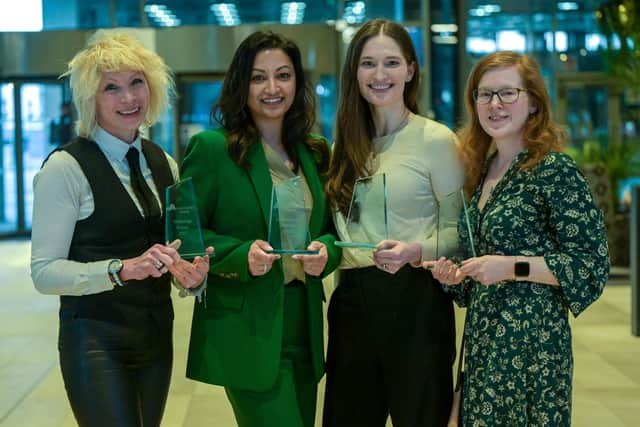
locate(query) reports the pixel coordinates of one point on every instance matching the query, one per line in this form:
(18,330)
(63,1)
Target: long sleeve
(60,191)
(581,263)
(202,163)
(446,181)
(62,196)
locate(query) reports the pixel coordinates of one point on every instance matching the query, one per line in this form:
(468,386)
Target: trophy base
(356,245)
(293,252)
(191,255)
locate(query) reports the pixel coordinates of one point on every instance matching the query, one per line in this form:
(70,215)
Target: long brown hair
(232,113)
(355,128)
(541,134)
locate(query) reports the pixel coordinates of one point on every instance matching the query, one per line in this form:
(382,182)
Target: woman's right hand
(260,262)
(154,262)
(445,271)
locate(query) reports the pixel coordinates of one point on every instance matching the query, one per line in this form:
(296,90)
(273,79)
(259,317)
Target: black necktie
(140,188)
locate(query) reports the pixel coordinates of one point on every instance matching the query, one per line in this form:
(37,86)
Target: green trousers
(292,400)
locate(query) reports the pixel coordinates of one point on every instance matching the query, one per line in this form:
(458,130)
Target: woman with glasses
(541,250)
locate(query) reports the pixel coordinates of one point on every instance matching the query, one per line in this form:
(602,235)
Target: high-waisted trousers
(391,350)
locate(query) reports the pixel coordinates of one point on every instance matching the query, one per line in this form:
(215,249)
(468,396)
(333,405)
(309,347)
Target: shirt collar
(113,147)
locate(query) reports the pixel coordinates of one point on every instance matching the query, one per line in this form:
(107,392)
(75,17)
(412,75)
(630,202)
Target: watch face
(115,266)
(522,269)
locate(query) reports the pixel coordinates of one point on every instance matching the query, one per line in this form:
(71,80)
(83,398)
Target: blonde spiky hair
(114,51)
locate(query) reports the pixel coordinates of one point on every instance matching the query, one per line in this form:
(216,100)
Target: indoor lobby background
(589,51)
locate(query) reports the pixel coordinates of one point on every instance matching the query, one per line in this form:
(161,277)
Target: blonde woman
(98,238)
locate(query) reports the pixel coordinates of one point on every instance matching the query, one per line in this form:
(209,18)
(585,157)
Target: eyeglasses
(507,95)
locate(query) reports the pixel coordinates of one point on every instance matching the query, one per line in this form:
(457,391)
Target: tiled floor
(606,380)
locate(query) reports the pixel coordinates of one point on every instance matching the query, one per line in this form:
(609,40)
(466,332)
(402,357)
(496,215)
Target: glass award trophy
(289,219)
(448,240)
(366,222)
(182,220)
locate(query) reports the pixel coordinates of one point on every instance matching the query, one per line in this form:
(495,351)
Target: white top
(61,197)
(423,177)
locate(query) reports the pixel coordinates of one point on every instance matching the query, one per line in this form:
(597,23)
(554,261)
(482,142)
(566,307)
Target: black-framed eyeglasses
(506,95)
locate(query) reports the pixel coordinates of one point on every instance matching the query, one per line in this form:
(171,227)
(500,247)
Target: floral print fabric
(518,357)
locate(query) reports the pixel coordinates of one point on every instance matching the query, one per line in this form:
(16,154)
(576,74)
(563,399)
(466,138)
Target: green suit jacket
(236,335)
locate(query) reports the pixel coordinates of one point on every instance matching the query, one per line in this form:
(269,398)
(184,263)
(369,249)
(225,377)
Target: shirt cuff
(99,275)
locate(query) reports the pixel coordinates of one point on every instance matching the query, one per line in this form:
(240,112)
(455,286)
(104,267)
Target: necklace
(403,122)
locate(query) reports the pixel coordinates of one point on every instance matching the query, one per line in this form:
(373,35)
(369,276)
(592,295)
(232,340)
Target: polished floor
(606,380)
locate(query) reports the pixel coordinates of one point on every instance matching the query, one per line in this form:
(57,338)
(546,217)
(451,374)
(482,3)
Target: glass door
(8,190)
(35,117)
(45,124)
(189,115)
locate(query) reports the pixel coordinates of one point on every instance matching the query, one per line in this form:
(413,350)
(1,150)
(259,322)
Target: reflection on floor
(606,381)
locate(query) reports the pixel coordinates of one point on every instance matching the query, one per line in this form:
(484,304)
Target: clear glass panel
(327,95)
(542,29)
(367,221)
(194,107)
(41,112)
(8,187)
(587,114)
(94,14)
(162,132)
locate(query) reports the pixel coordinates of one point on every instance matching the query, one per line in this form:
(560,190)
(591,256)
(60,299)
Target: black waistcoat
(116,229)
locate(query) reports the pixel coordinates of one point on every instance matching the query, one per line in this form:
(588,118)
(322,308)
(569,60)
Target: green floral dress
(518,357)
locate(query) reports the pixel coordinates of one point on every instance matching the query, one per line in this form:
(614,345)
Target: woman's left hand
(392,255)
(314,264)
(488,269)
(191,274)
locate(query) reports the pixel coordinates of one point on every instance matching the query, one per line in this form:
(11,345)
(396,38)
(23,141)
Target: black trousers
(391,350)
(116,374)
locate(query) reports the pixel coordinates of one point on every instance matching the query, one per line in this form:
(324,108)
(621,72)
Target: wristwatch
(114,268)
(521,269)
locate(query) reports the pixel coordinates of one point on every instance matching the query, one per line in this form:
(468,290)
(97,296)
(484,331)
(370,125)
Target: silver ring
(264,268)
(385,266)
(160,265)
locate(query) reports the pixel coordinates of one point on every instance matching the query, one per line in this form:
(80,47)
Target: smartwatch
(114,268)
(521,269)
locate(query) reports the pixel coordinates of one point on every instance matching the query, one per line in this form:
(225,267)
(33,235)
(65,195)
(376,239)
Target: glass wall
(41,122)
(8,204)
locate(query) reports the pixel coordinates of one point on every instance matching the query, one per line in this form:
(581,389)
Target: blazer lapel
(261,180)
(314,182)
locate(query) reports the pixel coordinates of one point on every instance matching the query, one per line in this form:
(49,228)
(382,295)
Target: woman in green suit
(259,329)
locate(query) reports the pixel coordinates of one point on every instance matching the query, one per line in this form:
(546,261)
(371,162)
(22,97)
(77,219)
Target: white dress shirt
(62,196)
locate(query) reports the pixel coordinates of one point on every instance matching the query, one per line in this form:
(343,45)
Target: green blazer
(236,334)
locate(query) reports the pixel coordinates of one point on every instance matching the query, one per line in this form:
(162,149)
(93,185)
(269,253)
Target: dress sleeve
(580,262)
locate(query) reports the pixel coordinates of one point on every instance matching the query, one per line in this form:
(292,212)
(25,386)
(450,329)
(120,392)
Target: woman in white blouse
(391,326)
(98,237)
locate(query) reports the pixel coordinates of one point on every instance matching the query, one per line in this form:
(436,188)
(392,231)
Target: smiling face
(122,101)
(272,87)
(383,72)
(503,121)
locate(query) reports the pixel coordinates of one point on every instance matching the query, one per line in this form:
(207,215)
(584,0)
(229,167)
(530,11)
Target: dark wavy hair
(355,128)
(232,113)
(541,133)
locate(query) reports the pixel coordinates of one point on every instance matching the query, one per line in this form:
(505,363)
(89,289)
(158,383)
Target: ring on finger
(264,268)
(160,265)
(385,266)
